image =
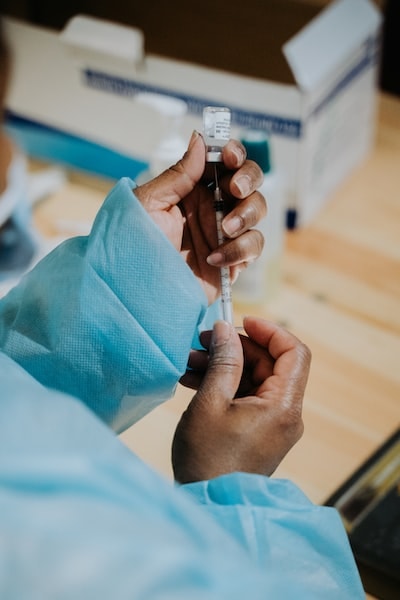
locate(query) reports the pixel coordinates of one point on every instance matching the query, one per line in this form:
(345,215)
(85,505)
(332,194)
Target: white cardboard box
(71,99)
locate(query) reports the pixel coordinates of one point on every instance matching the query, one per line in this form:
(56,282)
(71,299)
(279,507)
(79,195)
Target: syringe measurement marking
(226,291)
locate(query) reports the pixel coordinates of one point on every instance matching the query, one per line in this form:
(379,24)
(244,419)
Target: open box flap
(322,45)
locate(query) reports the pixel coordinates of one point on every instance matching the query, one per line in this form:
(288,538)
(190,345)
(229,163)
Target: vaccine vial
(217,131)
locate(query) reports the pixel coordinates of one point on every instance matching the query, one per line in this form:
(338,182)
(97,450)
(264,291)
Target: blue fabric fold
(101,315)
(279,525)
(83,343)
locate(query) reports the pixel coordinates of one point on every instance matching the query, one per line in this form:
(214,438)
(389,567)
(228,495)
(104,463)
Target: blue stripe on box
(57,146)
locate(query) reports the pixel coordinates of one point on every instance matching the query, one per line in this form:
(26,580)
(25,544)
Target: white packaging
(321,126)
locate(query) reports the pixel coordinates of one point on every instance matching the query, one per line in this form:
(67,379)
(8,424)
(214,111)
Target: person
(17,244)
(95,336)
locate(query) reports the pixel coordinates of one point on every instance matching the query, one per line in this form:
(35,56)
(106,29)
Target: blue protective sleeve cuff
(101,315)
(277,524)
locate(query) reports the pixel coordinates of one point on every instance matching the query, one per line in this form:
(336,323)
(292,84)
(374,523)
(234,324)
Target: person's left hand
(182,205)
(247,411)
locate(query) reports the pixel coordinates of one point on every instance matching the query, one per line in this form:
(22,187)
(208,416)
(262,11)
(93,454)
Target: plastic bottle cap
(258,149)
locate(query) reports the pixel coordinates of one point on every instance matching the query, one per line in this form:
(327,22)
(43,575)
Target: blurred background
(336,279)
(189,31)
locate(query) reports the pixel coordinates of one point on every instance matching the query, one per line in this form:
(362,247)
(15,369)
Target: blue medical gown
(92,339)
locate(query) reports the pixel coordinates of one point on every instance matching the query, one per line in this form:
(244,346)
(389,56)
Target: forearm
(109,318)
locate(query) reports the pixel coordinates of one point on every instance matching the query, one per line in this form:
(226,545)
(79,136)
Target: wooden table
(340,293)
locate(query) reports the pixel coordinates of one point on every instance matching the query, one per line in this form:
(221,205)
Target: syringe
(216,123)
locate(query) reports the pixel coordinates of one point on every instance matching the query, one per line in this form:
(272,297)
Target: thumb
(173,184)
(194,159)
(222,378)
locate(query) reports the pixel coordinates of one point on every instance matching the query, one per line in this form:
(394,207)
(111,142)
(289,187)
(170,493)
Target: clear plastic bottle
(259,282)
(172,145)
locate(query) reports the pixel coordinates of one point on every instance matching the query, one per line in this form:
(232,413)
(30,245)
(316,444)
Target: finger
(233,154)
(291,355)
(238,252)
(197,365)
(246,180)
(245,215)
(270,335)
(205,338)
(198,360)
(191,379)
(257,360)
(222,378)
(179,180)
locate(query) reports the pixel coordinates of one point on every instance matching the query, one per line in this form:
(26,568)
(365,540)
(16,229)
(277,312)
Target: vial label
(217,131)
(217,124)
(222,126)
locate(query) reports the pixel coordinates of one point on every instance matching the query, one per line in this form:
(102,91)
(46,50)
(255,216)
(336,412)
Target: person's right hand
(181,202)
(246,414)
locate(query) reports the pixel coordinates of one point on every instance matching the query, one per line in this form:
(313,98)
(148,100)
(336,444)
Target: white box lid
(324,43)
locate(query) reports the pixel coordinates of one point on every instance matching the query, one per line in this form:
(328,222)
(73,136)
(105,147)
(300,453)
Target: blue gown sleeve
(82,518)
(100,315)
(278,525)
(80,515)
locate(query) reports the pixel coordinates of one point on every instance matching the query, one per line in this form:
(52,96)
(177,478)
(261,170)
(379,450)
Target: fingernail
(232,226)
(193,138)
(244,185)
(221,333)
(215,259)
(240,154)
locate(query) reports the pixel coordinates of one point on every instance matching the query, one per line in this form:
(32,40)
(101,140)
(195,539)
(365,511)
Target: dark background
(229,34)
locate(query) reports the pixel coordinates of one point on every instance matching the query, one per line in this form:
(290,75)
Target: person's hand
(182,205)
(246,414)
